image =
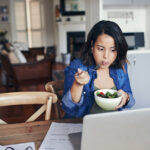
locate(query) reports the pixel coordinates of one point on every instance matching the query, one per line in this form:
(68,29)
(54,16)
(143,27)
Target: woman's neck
(103,71)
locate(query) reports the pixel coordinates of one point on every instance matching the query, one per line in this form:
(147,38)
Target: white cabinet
(117,2)
(139,74)
(141,2)
(126,2)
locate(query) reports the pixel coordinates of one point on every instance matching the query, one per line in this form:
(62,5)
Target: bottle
(57,13)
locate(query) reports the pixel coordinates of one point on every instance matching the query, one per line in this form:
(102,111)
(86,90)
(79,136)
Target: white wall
(6,25)
(76,23)
(48,18)
(93,9)
(147,34)
(127,24)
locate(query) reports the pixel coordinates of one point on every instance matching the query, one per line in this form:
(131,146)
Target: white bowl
(107,103)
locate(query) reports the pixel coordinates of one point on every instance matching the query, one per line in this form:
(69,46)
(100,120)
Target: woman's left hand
(125,99)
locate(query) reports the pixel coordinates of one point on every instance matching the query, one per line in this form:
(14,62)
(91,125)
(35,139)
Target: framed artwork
(3,9)
(72,7)
(4,18)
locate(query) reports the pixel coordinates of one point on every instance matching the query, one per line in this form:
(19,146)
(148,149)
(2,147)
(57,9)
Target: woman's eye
(100,49)
(113,50)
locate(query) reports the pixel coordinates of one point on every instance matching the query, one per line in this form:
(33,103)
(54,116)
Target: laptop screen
(125,130)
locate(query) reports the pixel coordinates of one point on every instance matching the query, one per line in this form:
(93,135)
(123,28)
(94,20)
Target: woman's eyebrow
(104,46)
(113,47)
(100,46)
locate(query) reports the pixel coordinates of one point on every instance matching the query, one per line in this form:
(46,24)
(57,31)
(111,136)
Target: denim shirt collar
(112,72)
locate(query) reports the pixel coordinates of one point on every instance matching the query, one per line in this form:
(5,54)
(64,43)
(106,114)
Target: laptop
(124,130)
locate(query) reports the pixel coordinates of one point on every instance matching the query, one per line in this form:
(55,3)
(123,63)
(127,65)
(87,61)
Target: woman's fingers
(122,103)
(79,72)
(82,77)
(124,99)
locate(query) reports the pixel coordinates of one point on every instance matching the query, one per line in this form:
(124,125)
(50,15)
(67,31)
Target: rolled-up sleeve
(68,104)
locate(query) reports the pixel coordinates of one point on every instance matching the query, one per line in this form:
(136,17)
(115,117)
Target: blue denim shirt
(83,107)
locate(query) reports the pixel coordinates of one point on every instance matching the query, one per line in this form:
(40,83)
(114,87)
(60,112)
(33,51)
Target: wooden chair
(24,98)
(56,87)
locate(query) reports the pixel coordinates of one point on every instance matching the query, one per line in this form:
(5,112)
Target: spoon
(96,68)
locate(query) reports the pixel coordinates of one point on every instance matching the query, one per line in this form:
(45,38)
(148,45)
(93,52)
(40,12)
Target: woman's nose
(106,53)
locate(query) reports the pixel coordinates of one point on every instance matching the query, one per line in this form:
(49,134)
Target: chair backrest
(24,98)
(57,87)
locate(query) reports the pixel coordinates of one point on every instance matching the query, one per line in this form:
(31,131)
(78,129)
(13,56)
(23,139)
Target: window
(29,22)
(21,28)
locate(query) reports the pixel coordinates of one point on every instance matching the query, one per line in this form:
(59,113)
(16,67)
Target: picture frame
(70,8)
(4,18)
(3,9)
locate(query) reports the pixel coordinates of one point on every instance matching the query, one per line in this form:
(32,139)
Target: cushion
(20,56)
(4,52)
(13,58)
(39,57)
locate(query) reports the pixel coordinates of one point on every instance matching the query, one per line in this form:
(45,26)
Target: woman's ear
(91,46)
(91,49)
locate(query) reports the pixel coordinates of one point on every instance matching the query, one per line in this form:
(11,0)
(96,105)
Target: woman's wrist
(76,91)
(78,83)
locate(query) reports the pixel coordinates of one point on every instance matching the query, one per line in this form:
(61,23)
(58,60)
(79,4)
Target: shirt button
(84,93)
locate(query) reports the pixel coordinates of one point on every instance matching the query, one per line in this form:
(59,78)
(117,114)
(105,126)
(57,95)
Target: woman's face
(104,51)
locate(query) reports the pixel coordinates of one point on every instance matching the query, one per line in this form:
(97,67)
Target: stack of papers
(57,137)
(21,146)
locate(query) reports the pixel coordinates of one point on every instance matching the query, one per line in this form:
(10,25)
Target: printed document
(21,146)
(57,137)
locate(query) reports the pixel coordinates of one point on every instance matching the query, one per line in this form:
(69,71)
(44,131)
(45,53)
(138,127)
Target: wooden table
(27,132)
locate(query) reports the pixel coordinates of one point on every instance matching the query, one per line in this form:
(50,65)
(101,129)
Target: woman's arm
(81,78)
(71,90)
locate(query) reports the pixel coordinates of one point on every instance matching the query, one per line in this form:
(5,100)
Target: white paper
(57,136)
(21,146)
(1,147)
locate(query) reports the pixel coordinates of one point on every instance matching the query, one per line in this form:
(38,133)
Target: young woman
(106,48)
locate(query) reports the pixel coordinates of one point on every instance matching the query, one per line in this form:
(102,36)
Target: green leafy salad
(107,95)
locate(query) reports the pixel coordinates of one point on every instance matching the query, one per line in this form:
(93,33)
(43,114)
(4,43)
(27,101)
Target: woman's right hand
(82,77)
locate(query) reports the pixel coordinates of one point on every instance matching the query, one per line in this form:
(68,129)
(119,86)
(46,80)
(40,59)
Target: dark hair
(112,29)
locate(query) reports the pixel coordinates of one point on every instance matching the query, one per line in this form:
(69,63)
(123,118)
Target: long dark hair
(112,29)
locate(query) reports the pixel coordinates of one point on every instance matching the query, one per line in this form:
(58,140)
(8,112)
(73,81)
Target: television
(134,40)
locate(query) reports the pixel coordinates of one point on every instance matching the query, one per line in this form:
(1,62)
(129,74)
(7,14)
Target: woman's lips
(105,63)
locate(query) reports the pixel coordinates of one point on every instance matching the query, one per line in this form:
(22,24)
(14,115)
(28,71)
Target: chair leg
(48,108)
(7,84)
(57,111)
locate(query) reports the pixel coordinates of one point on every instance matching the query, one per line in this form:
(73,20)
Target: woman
(105,51)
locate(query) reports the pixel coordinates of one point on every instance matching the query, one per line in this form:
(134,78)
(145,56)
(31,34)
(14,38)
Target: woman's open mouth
(105,63)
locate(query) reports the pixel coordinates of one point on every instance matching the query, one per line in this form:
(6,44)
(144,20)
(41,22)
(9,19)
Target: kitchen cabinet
(117,2)
(139,74)
(126,2)
(141,2)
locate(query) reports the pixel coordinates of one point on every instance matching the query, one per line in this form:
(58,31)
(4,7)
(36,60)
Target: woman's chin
(104,66)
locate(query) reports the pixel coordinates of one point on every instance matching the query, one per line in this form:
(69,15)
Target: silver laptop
(125,130)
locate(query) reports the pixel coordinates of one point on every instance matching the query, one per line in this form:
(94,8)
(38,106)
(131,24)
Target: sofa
(29,75)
